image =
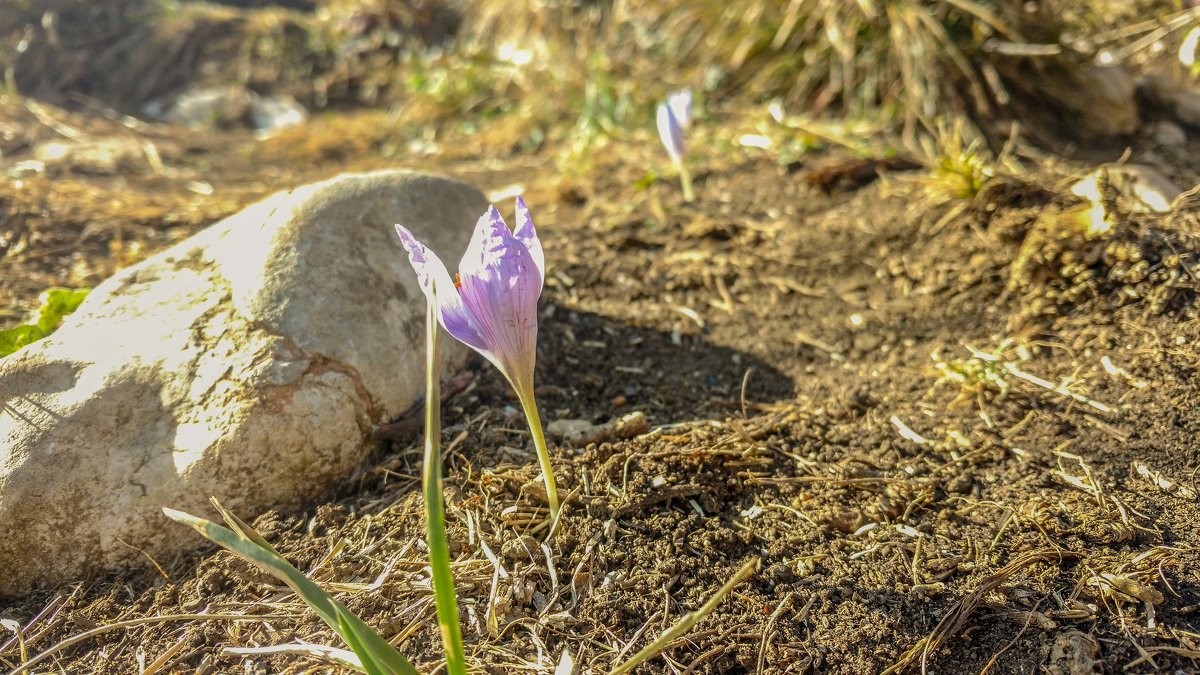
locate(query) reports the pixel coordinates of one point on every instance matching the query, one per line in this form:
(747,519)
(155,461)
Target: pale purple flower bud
(680,104)
(492,307)
(671,133)
(674,117)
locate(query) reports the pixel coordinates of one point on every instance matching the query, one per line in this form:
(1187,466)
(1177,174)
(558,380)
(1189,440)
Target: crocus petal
(489,235)
(528,236)
(680,104)
(439,290)
(499,285)
(671,133)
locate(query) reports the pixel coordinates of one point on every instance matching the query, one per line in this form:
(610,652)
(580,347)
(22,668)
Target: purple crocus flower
(674,117)
(492,307)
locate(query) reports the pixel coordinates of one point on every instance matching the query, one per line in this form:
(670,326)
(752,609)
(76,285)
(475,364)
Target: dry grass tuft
(348,52)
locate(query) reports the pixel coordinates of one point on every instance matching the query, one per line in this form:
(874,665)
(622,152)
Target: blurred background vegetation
(126,125)
(581,70)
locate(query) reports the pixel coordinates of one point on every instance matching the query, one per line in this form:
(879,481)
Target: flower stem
(529,405)
(685,181)
(435,510)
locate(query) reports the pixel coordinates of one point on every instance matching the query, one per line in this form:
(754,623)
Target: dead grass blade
(690,619)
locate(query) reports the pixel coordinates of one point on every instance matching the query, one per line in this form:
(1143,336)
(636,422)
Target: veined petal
(499,284)
(429,268)
(670,132)
(490,233)
(439,290)
(528,236)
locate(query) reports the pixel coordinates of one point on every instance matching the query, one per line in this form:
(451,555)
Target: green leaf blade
(370,647)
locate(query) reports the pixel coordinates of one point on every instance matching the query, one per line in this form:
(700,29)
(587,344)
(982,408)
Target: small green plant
(642,184)
(983,375)
(56,303)
(604,102)
(959,163)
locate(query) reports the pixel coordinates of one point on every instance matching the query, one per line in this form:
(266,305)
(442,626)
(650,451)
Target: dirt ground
(959,436)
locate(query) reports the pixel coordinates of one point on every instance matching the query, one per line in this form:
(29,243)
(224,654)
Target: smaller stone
(562,429)
(271,113)
(100,156)
(524,547)
(1138,188)
(234,106)
(27,169)
(1102,100)
(1170,134)
(579,433)
(1096,101)
(1178,97)
(204,107)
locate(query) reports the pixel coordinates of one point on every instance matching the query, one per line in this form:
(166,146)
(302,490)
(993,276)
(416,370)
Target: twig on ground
(690,619)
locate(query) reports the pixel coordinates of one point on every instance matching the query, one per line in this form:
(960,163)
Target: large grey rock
(248,362)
